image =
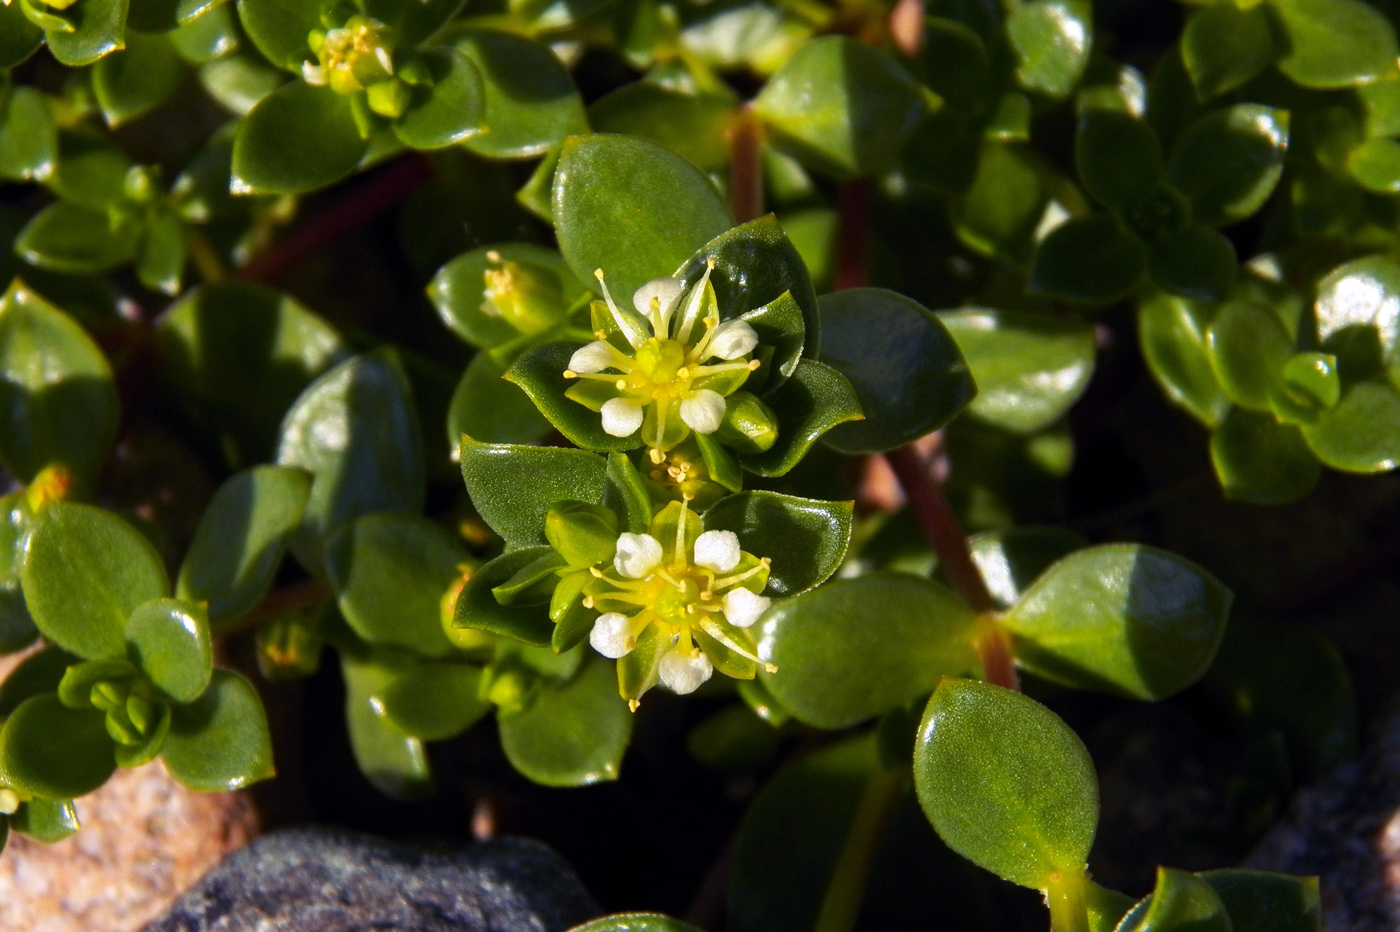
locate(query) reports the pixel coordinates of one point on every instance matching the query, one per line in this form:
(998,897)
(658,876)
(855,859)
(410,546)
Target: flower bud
(582,534)
(749,425)
(526,296)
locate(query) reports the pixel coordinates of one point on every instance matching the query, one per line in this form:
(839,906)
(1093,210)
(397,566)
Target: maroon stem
(363,202)
(906,25)
(746,166)
(853,235)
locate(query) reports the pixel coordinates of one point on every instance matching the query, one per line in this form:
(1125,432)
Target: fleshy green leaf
(58,401)
(479,610)
(1355,312)
(46,820)
(448,110)
(1224,46)
(1089,259)
(220,741)
(390,572)
(1258,901)
(514,486)
(434,701)
(812,402)
(1334,43)
(1195,261)
(529,101)
(40,672)
(1179,901)
(132,82)
(55,752)
(458,290)
(1052,40)
(1362,433)
(1001,210)
(1228,161)
(241,538)
(19,38)
(87,571)
(485,405)
(169,641)
(805,538)
(691,125)
(279,28)
(297,138)
(396,764)
(857,648)
(1122,618)
(635,922)
(1028,368)
(67,237)
(1118,157)
(907,371)
(1262,461)
(28,134)
(1248,348)
(1376,164)
(540,372)
(841,106)
(1012,559)
(574,733)
(98,27)
(356,431)
(631,208)
(1173,334)
(16,626)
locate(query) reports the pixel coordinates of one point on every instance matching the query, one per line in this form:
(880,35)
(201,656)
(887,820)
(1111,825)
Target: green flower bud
(350,58)
(1308,385)
(749,425)
(389,98)
(288,648)
(582,534)
(528,297)
(101,684)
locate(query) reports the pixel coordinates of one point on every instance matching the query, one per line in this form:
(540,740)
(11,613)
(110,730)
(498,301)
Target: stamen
(727,581)
(692,309)
(716,632)
(680,557)
(635,340)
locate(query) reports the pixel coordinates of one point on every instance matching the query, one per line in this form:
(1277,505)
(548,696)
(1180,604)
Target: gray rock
(1346,829)
(325,880)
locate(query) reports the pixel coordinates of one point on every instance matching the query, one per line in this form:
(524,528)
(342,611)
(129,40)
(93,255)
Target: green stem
(846,890)
(1065,897)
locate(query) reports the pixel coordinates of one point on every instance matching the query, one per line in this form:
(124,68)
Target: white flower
(621,418)
(743,608)
(703,411)
(610,635)
(732,339)
(314,75)
(718,550)
(595,357)
(684,671)
(667,292)
(637,555)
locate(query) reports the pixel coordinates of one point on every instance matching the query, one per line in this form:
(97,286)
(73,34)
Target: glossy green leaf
(55,752)
(478,609)
(1308,385)
(755,266)
(91,172)
(1052,39)
(28,134)
(857,648)
(812,402)
(1089,259)
(1262,461)
(396,764)
(1003,206)
(540,372)
(1006,783)
(1258,901)
(514,486)
(356,431)
(220,741)
(279,28)
(87,571)
(160,264)
(296,139)
(40,672)
(46,820)
(1028,368)
(75,689)
(1012,559)
(66,237)
(390,572)
(98,27)
(446,111)
(1195,261)
(19,38)
(238,355)
(134,81)
(210,34)
(1118,156)
(529,101)
(635,922)
(841,106)
(1173,334)
(458,291)
(1248,348)
(1362,433)
(1179,901)
(631,208)
(58,400)
(574,733)
(1121,618)
(1376,164)
(906,368)
(485,405)
(805,538)
(241,538)
(1224,46)
(1228,161)
(691,125)
(434,701)
(1334,43)
(16,626)
(239,81)
(169,642)
(1106,907)
(1355,311)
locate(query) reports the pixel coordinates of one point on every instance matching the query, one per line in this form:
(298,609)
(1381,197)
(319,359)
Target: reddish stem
(906,24)
(853,235)
(746,166)
(362,203)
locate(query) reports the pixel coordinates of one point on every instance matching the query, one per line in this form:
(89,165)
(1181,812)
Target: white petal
(610,635)
(743,608)
(718,550)
(732,339)
(667,292)
(595,357)
(637,555)
(385,62)
(683,671)
(314,75)
(621,418)
(703,411)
